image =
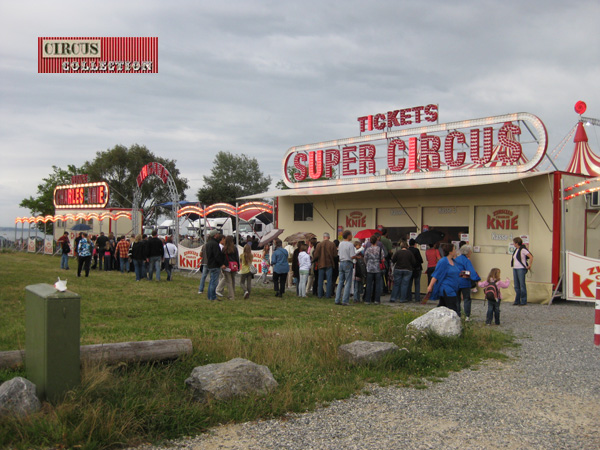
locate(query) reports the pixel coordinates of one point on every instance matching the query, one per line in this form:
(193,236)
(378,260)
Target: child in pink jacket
(493,280)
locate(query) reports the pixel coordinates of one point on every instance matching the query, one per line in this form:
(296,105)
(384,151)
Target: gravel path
(547,397)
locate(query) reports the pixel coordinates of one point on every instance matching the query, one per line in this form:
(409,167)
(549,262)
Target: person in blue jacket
(281,267)
(468,277)
(444,280)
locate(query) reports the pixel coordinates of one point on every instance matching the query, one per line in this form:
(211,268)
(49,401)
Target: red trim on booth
(556,227)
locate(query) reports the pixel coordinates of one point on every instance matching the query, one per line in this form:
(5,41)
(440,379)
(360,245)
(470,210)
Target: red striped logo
(98,55)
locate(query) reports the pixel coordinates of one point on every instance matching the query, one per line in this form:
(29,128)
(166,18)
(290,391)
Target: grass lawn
(125,405)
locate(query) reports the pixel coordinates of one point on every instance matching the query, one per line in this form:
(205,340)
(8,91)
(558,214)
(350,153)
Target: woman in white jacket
(304,268)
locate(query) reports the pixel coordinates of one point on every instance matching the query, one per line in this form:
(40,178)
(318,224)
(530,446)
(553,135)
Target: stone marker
(17,397)
(363,352)
(441,321)
(236,378)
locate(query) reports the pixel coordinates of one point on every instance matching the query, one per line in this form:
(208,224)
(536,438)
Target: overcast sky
(258,77)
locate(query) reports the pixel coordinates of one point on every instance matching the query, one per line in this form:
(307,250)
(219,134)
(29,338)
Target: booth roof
(428,183)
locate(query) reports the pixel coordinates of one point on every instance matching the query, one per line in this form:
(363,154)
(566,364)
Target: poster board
(583,278)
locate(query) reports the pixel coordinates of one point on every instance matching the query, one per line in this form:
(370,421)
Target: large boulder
(235,378)
(18,397)
(364,352)
(441,321)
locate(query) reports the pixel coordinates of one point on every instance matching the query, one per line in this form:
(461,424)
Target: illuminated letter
(431,113)
(487,145)
(430,146)
(315,164)
(449,149)
(405,117)
(412,154)
(363,123)
(332,158)
(391,156)
(418,110)
(347,160)
(366,159)
(510,150)
(379,121)
(299,163)
(392,119)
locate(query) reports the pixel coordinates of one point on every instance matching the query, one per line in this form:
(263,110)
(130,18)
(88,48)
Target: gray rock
(18,397)
(441,321)
(364,352)
(235,378)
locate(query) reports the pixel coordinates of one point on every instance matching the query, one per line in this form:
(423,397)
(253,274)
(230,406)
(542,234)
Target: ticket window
(399,222)
(450,220)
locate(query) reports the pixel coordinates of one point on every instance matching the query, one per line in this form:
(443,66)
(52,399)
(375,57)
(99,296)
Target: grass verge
(297,339)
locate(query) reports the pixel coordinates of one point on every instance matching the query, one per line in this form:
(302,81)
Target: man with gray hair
(323,256)
(347,254)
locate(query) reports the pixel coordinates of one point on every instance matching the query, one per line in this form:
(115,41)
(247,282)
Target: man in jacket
(215,261)
(324,255)
(155,255)
(100,247)
(418,269)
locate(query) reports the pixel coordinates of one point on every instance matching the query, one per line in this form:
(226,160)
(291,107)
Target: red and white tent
(584,160)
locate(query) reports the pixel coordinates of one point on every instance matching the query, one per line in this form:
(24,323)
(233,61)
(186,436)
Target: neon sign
(493,145)
(399,118)
(153,168)
(87,195)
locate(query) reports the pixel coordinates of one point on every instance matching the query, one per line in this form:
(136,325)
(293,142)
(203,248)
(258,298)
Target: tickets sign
(583,278)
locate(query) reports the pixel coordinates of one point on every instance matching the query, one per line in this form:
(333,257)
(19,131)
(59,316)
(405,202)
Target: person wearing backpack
(65,246)
(491,289)
(521,263)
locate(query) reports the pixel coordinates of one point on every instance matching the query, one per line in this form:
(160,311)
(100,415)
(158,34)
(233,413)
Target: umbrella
(429,237)
(270,236)
(365,234)
(300,236)
(81,227)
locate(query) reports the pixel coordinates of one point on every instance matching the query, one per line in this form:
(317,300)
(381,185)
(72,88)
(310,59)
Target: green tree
(232,177)
(43,203)
(120,166)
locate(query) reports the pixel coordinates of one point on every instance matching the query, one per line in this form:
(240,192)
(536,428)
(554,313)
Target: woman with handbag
(247,270)
(170,256)
(232,265)
(467,281)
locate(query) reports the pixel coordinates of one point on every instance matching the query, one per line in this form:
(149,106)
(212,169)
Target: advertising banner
(48,247)
(31,245)
(191,258)
(583,278)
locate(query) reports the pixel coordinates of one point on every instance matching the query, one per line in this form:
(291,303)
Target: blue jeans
(374,283)
(520,288)
(416,281)
(203,279)
(213,282)
(124,265)
(344,282)
(138,265)
(64,261)
(401,285)
(493,310)
(465,293)
(358,291)
(326,272)
(154,266)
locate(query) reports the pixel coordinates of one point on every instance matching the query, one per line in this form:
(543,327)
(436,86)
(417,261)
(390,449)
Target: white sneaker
(219,295)
(467,319)
(246,295)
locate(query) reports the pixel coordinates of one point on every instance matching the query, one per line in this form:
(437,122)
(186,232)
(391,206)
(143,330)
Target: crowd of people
(362,269)
(142,254)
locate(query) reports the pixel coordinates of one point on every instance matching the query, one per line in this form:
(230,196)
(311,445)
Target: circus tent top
(584,161)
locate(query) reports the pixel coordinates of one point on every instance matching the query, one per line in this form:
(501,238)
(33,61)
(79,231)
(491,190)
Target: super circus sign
(493,145)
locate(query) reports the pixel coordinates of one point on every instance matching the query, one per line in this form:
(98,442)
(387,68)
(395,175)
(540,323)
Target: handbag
(253,269)
(172,259)
(233,266)
(381,262)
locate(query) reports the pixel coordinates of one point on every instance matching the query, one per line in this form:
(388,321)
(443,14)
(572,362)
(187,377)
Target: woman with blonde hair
(246,262)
